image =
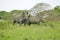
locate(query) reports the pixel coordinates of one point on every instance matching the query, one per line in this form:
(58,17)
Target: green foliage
(4,15)
(57,9)
(18,11)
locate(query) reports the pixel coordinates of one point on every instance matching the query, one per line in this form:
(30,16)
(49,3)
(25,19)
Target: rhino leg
(20,23)
(14,22)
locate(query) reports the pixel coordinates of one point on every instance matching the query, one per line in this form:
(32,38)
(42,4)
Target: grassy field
(44,31)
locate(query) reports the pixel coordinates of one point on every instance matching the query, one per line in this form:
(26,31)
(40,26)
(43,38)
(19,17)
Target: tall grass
(44,31)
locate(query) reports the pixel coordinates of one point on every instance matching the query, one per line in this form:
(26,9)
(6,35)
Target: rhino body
(20,19)
(27,19)
(34,20)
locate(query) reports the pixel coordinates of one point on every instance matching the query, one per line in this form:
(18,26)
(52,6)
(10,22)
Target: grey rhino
(34,20)
(27,19)
(20,19)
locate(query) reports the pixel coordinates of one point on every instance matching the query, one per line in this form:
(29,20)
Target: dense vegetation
(45,31)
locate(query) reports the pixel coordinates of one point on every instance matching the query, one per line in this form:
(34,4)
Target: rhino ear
(23,13)
(27,12)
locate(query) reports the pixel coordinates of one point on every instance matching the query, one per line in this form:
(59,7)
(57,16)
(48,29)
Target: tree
(57,9)
(3,14)
(39,7)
